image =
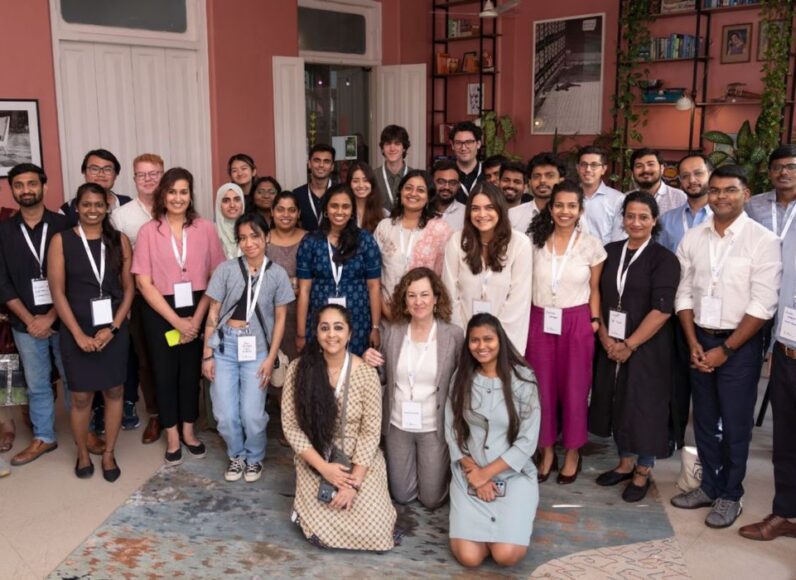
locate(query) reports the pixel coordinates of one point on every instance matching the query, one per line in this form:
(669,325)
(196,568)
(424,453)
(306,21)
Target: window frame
(370,10)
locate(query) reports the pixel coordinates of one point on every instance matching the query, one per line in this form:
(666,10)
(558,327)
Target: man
(776,210)
(310,195)
(394,144)
(730,276)
(648,167)
(545,170)
(445,177)
(465,140)
(513,182)
(492,166)
(24,241)
(99,166)
(602,204)
(128,219)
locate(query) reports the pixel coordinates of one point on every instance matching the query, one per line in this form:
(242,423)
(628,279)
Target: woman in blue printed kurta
(351,279)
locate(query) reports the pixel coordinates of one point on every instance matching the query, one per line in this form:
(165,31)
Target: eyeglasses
(732,190)
(593,165)
(789,167)
(452,183)
(142,175)
(462,144)
(96,170)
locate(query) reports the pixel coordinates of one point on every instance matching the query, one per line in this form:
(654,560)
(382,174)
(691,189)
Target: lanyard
(387,183)
(477,175)
(98,274)
(253,293)
(621,275)
(484,279)
(40,256)
(337,270)
(716,262)
(557,272)
(181,258)
(341,377)
(412,368)
(310,195)
(406,250)
(789,215)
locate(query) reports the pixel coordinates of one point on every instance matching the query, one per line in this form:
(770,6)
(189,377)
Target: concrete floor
(45,512)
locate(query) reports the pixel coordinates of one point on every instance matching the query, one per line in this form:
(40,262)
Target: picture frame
(736,43)
(763,32)
(20,133)
(470,62)
(474,92)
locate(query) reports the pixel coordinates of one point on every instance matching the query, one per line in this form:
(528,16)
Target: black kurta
(634,405)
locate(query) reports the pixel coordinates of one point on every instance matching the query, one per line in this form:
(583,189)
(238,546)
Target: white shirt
(573,287)
(667,198)
(601,211)
(425,391)
(129,219)
(522,216)
(454,216)
(749,280)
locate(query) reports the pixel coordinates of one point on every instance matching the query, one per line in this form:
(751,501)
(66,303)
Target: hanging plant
(498,131)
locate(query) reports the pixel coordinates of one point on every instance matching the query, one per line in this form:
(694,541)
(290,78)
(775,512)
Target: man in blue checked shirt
(694,172)
(776,209)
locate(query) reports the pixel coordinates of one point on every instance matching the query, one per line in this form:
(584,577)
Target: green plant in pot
(748,149)
(498,130)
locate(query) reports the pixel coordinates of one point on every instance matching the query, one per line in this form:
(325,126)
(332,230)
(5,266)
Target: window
(340,31)
(154,15)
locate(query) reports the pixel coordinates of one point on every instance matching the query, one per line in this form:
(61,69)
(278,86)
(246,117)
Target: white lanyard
(310,195)
(789,215)
(40,256)
(557,272)
(181,258)
(484,279)
(98,274)
(387,183)
(407,250)
(477,175)
(621,272)
(341,377)
(252,295)
(716,263)
(337,269)
(411,368)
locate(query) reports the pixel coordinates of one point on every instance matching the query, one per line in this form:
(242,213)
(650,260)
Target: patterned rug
(188,522)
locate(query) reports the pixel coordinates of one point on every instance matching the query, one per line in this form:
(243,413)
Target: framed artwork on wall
(567,73)
(474,92)
(764,31)
(736,43)
(20,136)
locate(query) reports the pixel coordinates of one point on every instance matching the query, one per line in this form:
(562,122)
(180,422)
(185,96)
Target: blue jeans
(642,460)
(238,401)
(35,356)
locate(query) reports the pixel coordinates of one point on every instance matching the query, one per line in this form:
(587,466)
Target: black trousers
(177,369)
(681,386)
(783,404)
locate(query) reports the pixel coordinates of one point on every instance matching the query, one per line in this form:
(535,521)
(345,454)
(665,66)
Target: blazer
(450,339)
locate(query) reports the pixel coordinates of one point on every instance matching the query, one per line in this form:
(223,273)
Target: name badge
(41,292)
(247,348)
(617,324)
(480,306)
(552,321)
(710,313)
(183,295)
(787,326)
(101,311)
(411,415)
(340,300)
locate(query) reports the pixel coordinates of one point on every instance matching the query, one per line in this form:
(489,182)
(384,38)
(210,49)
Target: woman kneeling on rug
(331,416)
(492,425)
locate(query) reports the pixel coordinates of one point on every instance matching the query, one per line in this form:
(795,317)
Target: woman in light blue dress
(492,425)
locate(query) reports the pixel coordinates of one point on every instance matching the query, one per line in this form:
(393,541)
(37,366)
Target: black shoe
(84,472)
(542,477)
(567,479)
(113,474)
(196,451)
(612,478)
(635,492)
(173,457)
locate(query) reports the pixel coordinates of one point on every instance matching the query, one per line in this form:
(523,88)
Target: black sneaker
(130,418)
(196,451)
(253,471)
(173,458)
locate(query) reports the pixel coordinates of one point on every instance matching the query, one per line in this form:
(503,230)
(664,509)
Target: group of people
(445,330)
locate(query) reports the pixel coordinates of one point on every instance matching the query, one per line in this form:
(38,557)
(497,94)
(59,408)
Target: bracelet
(597,320)
(207,358)
(374,328)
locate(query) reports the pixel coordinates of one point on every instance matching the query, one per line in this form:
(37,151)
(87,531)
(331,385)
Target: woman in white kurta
(488,266)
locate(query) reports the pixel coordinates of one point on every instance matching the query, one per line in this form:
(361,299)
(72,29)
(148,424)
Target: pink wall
(31,77)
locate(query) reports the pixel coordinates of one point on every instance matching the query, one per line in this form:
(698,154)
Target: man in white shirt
(730,277)
(394,143)
(545,171)
(776,209)
(465,140)
(445,178)
(602,204)
(513,181)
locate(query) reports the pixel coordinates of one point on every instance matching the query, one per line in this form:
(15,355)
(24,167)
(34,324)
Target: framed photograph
(345,147)
(470,62)
(673,6)
(736,43)
(20,136)
(567,73)
(764,31)
(474,92)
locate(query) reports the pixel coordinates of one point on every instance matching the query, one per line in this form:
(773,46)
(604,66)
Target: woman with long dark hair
(340,264)
(175,254)
(369,199)
(488,266)
(264,190)
(242,170)
(93,290)
(491,425)
(331,416)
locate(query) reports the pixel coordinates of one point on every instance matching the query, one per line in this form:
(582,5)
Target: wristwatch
(114,329)
(728,352)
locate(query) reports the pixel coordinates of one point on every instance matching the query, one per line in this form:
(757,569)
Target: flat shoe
(84,472)
(633,492)
(612,477)
(112,474)
(196,451)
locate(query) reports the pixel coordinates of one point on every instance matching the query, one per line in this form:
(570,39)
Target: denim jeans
(35,356)
(238,401)
(642,460)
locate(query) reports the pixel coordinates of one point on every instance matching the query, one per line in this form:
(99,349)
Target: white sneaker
(5,468)
(253,471)
(235,469)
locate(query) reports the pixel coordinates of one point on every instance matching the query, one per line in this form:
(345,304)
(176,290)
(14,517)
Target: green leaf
(745,140)
(718,137)
(758,155)
(718,158)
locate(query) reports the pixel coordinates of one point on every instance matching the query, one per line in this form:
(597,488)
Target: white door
(400,99)
(290,121)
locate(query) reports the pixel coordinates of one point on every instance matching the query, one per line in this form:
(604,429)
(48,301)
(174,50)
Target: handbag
(327,491)
(690,470)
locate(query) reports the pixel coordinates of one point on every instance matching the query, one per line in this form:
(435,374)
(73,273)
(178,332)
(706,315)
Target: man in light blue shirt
(602,204)
(776,209)
(694,171)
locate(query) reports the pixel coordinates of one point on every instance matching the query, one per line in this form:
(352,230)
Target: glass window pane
(158,15)
(328,31)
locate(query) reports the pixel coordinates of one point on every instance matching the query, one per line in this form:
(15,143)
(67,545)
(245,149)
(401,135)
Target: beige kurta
(370,522)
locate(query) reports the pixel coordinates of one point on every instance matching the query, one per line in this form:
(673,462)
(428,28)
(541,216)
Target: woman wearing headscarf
(229,207)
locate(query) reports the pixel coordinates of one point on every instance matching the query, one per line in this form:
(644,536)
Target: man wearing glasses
(775,210)
(465,139)
(99,166)
(445,176)
(602,204)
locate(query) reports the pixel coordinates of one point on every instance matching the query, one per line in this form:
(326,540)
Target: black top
(468,180)
(69,208)
(308,220)
(18,266)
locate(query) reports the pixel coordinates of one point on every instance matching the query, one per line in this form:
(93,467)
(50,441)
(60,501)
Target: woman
(283,244)
(332,406)
(264,190)
(242,170)
(245,327)
(340,264)
(414,235)
(632,383)
(491,425)
(420,355)
(229,207)
(175,254)
(369,202)
(92,290)
(488,265)
(564,317)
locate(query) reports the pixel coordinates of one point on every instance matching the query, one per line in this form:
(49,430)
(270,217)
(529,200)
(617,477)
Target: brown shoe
(32,452)
(95,444)
(152,431)
(770,528)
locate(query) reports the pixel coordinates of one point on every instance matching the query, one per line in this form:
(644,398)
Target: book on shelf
(462,28)
(708,4)
(674,46)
